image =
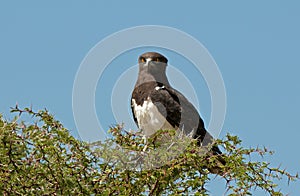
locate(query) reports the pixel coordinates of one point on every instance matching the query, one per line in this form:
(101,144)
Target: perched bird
(157,106)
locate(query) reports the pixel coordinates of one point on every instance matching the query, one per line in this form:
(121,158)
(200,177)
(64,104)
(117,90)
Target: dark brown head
(152,67)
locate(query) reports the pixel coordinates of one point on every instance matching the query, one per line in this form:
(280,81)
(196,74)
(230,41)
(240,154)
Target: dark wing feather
(180,112)
(167,104)
(134,118)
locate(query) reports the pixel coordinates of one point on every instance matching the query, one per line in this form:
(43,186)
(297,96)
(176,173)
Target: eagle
(156,105)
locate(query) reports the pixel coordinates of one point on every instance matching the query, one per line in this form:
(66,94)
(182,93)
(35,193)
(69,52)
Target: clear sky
(254,43)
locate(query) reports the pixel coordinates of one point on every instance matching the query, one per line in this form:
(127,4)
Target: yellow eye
(157,59)
(143,60)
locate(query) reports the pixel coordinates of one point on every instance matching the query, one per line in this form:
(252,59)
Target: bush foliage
(42,158)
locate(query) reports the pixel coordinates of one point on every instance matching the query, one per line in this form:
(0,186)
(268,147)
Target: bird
(156,105)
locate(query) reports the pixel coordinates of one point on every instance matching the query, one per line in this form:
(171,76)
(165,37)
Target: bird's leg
(171,145)
(145,142)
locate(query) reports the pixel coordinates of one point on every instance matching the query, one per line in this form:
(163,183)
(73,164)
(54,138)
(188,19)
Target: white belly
(149,118)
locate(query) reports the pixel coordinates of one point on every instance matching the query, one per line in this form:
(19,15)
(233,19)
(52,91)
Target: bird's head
(153,63)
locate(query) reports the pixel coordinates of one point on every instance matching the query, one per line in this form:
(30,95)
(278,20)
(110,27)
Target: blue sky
(255,44)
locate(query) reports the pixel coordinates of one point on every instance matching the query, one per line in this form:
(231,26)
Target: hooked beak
(147,64)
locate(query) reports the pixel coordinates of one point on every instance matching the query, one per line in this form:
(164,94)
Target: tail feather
(217,167)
